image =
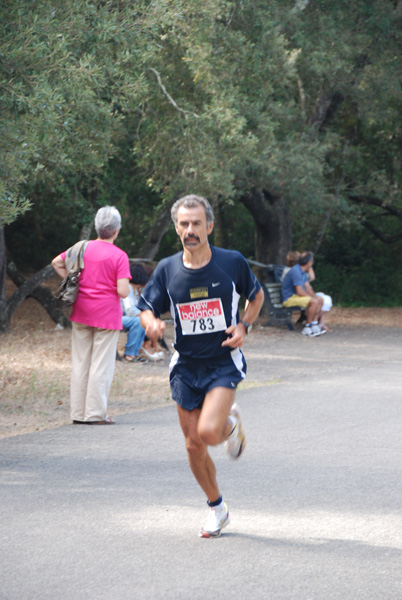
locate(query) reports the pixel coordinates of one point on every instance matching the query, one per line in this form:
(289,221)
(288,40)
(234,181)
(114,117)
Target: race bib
(204,316)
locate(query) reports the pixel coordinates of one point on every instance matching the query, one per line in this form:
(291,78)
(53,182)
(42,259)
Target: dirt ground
(35,365)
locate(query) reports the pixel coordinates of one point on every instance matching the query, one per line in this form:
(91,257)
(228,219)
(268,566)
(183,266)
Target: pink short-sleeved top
(98,304)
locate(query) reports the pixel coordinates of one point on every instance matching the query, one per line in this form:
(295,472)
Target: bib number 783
(201,325)
(203,316)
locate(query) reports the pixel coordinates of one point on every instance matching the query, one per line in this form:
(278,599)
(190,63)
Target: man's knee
(316,302)
(209,435)
(195,447)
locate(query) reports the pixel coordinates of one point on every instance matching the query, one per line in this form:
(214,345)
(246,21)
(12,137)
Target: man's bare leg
(214,426)
(209,426)
(201,463)
(314,309)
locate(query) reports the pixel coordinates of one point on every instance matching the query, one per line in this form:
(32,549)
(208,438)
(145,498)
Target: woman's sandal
(107,421)
(134,359)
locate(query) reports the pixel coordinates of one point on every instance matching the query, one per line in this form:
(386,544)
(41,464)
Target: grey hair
(192,201)
(107,220)
(306,257)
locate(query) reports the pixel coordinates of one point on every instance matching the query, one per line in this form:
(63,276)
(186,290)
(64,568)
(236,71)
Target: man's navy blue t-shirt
(202,302)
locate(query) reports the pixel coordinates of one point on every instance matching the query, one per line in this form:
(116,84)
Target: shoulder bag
(67,291)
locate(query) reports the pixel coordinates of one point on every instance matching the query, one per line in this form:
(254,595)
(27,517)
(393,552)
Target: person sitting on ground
(146,350)
(297,291)
(136,349)
(131,319)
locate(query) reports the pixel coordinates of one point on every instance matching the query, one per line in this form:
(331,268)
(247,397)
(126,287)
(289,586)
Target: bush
(358,270)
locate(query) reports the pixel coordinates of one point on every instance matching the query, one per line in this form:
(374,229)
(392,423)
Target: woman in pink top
(96,319)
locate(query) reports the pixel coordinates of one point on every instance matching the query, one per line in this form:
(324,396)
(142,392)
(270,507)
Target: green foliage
(136,103)
(60,87)
(357,271)
(11,206)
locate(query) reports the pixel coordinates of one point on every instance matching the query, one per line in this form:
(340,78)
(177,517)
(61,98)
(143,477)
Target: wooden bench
(278,314)
(268,276)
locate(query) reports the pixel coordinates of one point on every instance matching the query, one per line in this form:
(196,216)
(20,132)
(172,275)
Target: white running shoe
(153,356)
(218,518)
(317,330)
(236,441)
(308,330)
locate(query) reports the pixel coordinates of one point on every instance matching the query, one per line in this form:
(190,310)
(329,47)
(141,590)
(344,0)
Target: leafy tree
(350,81)
(290,109)
(59,123)
(276,105)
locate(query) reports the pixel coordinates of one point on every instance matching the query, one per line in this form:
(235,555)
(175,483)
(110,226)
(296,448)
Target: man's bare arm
(300,291)
(154,328)
(237,332)
(309,289)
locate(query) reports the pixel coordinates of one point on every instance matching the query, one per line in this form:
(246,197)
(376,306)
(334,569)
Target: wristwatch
(246,325)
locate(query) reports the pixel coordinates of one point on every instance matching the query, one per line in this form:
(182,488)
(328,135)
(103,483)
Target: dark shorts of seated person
(296,300)
(192,379)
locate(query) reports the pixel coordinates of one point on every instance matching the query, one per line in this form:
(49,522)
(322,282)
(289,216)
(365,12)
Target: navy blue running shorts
(192,379)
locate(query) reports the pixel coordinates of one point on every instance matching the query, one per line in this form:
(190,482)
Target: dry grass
(357,317)
(35,375)
(35,368)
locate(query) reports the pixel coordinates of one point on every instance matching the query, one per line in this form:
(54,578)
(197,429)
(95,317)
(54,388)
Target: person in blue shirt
(131,318)
(201,287)
(297,291)
(136,348)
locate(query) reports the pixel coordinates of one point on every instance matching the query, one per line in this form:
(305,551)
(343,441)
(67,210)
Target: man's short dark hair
(306,257)
(138,274)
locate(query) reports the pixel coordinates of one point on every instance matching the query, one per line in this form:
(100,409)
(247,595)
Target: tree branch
(169,97)
(302,96)
(373,201)
(161,222)
(383,237)
(299,6)
(21,293)
(324,108)
(40,293)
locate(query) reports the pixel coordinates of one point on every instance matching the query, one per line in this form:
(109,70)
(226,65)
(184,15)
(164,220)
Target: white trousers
(93,358)
(327,301)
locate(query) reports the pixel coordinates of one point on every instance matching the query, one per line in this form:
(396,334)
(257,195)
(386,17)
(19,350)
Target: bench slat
(277,312)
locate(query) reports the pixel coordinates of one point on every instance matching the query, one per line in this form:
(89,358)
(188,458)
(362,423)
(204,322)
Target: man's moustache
(191,237)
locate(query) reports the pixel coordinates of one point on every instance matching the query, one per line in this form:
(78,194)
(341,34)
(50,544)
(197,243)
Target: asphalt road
(113,513)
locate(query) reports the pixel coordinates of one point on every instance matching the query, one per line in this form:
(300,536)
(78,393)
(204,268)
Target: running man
(201,287)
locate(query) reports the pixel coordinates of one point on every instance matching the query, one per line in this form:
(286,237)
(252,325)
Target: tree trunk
(162,221)
(19,296)
(41,294)
(86,231)
(325,106)
(220,237)
(3,301)
(273,235)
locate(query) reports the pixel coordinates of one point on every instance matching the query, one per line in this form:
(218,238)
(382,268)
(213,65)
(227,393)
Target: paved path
(112,513)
